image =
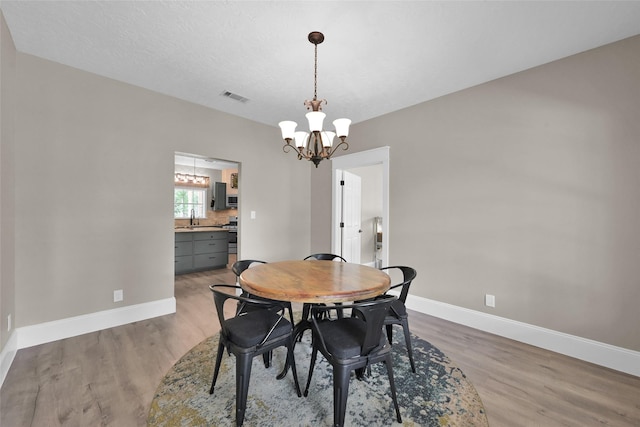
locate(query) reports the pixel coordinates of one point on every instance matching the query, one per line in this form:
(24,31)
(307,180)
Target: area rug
(438,394)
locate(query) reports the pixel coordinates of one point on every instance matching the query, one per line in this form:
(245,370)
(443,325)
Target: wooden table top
(314,281)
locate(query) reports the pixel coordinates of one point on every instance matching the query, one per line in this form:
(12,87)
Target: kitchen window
(187,198)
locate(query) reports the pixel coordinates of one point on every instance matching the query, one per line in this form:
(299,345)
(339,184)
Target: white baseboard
(613,357)
(7,355)
(602,354)
(41,333)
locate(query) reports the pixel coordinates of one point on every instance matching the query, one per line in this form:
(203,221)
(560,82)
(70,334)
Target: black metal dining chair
(248,334)
(325,257)
(398,312)
(238,267)
(307,306)
(351,343)
(241,265)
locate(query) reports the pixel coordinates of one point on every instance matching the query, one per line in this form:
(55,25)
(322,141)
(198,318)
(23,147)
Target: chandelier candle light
(317,144)
(191,180)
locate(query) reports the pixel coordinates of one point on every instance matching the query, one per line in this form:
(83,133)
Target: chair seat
(250,329)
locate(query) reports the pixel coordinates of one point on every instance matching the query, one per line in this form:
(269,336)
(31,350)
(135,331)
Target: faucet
(193,215)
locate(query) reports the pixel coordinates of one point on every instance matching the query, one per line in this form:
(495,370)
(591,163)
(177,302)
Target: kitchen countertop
(197,228)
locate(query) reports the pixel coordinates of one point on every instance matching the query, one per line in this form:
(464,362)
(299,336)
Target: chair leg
(306,310)
(312,363)
(243,372)
(407,341)
(389,333)
(292,362)
(266,357)
(392,384)
(340,394)
(339,311)
(216,370)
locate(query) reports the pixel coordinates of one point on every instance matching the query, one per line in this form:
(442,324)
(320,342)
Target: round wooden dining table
(314,281)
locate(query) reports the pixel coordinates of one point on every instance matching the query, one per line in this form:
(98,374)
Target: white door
(376,156)
(351,216)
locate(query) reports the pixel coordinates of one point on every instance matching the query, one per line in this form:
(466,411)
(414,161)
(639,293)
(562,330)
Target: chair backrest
(372,312)
(222,293)
(241,265)
(220,296)
(325,257)
(408,274)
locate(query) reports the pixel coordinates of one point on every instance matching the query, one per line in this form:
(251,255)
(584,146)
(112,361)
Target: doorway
(376,161)
(220,196)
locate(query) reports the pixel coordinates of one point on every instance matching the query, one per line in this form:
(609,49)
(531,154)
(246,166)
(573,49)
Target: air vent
(235,96)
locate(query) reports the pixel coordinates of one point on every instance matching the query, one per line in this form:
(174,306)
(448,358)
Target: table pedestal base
(298,331)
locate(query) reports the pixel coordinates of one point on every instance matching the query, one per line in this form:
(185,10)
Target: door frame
(349,161)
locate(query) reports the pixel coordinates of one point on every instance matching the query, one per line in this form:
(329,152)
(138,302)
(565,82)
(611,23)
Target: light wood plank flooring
(109,377)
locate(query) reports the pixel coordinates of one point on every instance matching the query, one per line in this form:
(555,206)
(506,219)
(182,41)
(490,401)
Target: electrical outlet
(118,295)
(8,322)
(490,300)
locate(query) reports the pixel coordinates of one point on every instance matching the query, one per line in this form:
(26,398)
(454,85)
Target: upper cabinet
(219,196)
(230,176)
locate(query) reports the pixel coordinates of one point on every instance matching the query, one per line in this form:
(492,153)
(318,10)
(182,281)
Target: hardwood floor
(109,377)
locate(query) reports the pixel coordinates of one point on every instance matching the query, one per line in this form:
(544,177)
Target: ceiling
(377,57)
(200,162)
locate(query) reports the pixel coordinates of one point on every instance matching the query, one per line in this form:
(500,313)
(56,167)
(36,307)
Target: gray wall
(94,189)
(526,188)
(7,234)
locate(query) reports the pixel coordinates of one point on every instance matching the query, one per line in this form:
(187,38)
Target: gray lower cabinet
(197,251)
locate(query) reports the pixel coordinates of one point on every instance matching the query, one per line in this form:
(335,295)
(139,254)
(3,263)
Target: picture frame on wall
(234,180)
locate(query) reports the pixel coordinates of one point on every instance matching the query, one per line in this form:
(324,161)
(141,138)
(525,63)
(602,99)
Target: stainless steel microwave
(232,201)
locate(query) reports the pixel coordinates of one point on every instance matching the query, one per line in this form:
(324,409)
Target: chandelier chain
(315,74)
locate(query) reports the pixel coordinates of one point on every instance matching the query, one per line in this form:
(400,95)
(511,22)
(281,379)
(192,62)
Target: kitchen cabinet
(219,196)
(201,250)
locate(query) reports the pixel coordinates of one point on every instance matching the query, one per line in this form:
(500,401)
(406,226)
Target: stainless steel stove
(232,226)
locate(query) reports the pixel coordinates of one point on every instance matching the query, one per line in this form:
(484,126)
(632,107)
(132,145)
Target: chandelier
(191,180)
(185,178)
(317,144)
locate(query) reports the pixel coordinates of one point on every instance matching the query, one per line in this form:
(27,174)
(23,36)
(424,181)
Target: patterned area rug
(437,395)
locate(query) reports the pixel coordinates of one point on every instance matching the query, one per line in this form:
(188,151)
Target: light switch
(253,214)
